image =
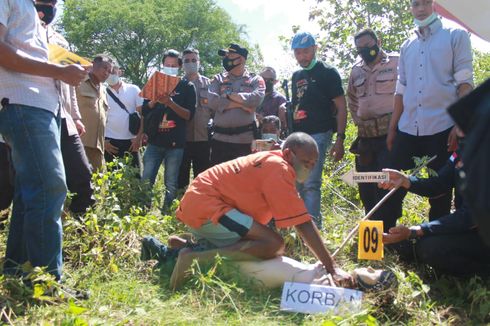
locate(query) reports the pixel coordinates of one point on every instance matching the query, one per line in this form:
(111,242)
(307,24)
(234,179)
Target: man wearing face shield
(370,93)
(197,149)
(233,96)
(228,207)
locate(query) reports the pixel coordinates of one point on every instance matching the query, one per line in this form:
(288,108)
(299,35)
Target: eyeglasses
(416,4)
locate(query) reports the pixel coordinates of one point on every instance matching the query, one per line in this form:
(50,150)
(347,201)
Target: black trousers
(404,149)
(372,155)
(460,254)
(77,170)
(123,146)
(6,177)
(197,154)
(222,152)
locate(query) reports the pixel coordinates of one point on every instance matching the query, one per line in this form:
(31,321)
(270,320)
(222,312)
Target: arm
(215,101)
(254,98)
(16,61)
(395,117)
(310,235)
(337,150)
(352,100)
(75,111)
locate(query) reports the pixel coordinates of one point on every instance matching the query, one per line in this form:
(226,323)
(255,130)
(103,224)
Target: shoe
(75,294)
(151,248)
(370,280)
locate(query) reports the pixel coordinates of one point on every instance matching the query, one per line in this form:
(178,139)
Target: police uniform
(370,95)
(233,128)
(197,149)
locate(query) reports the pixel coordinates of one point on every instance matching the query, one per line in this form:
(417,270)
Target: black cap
(234,48)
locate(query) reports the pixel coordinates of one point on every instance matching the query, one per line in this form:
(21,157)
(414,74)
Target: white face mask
(171,71)
(113,79)
(426,22)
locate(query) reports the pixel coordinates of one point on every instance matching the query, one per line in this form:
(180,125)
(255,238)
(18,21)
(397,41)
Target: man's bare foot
(181,269)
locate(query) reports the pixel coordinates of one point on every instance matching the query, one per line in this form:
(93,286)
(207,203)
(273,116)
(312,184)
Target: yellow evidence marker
(58,54)
(370,245)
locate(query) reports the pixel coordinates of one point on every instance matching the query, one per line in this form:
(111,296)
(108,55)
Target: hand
(452,141)
(80,127)
(397,180)
(259,117)
(337,150)
(72,74)
(342,278)
(396,234)
(390,139)
(166,100)
(135,144)
(109,148)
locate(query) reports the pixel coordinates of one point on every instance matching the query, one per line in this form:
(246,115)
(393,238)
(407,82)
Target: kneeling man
(229,206)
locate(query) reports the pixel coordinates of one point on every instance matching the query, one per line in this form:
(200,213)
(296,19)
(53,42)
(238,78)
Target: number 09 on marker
(370,244)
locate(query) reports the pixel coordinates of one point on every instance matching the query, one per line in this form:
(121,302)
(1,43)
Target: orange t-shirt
(261,185)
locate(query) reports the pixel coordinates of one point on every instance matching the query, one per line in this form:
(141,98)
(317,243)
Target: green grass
(102,254)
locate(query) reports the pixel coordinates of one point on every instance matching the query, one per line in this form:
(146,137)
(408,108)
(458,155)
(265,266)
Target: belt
(234,130)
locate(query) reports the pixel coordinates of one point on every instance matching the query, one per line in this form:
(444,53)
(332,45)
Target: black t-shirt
(162,125)
(313,91)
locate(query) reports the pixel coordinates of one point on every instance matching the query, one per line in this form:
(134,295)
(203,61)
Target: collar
(227,74)
(384,60)
(432,28)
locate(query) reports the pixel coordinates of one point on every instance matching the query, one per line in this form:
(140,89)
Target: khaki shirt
(371,95)
(93,106)
(197,128)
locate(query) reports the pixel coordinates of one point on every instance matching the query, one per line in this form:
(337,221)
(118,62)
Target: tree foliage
(342,19)
(137,33)
(481,66)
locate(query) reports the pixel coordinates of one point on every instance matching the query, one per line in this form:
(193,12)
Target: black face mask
(369,54)
(228,63)
(48,12)
(269,86)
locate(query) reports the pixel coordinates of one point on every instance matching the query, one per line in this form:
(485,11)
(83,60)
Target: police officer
(370,94)
(233,96)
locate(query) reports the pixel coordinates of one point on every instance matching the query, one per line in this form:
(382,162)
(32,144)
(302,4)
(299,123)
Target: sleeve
(334,86)
(138,100)
(434,186)
(215,101)
(74,109)
(191,99)
(287,207)
(457,222)
(462,57)
(256,97)
(401,82)
(352,98)
(5,12)
(145,108)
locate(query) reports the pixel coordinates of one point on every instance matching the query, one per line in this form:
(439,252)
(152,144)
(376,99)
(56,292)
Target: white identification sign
(312,298)
(352,177)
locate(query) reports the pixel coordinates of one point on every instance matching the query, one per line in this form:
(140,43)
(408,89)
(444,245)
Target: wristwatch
(341,135)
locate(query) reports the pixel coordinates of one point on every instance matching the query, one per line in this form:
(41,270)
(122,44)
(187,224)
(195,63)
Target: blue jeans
(172,158)
(310,190)
(40,188)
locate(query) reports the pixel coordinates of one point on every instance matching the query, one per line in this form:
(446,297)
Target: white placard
(313,298)
(352,177)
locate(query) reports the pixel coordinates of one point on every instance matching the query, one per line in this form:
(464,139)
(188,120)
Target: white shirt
(28,37)
(431,68)
(117,126)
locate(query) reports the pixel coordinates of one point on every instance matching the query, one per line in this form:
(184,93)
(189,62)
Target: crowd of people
(62,123)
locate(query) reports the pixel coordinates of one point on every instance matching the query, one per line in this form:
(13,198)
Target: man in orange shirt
(229,206)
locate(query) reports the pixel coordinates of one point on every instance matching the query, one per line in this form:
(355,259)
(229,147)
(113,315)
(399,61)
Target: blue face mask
(426,22)
(170,71)
(270,136)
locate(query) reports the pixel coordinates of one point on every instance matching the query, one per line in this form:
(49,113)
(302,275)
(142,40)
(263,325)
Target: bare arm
(337,150)
(12,60)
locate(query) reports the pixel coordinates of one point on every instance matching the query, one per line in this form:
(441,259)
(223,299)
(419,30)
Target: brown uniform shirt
(93,106)
(371,94)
